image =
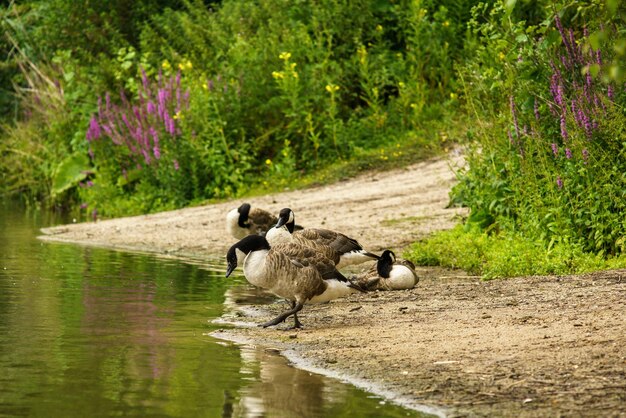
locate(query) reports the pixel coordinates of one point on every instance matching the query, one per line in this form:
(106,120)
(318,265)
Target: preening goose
(388,273)
(291,271)
(348,249)
(246,220)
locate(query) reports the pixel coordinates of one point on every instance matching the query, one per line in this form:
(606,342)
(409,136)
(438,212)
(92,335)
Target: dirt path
(531,346)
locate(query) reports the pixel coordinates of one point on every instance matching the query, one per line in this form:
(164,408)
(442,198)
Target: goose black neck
(244,212)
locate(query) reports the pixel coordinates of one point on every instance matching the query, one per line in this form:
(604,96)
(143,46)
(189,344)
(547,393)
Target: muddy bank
(531,346)
(528,346)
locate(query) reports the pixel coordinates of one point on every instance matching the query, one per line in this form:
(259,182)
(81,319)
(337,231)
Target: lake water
(94,332)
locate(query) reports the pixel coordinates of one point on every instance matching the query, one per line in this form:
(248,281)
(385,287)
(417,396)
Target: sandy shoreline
(529,346)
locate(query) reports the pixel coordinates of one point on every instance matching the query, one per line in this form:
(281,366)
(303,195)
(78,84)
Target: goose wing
(368,279)
(310,257)
(335,240)
(261,220)
(319,248)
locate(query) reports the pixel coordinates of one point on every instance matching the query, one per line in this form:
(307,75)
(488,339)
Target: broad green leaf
(612,5)
(595,39)
(594,69)
(510,5)
(69,172)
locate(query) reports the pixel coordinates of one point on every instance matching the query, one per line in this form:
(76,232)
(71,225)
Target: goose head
(244,211)
(287,219)
(240,250)
(385,263)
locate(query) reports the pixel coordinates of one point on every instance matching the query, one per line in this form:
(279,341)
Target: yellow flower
(188,65)
(401,84)
(165,65)
(292,66)
(331,88)
(278,74)
(379,28)
(268,162)
(453,96)
(501,55)
(413,105)
(362,53)
(446,24)
(178,115)
(285,56)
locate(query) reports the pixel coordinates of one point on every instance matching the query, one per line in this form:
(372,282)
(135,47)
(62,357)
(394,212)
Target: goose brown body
(334,245)
(246,220)
(292,271)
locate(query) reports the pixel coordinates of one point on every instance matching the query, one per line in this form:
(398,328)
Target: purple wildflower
(144,79)
(563,127)
(511,140)
(176,166)
(100,108)
(568,153)
(536,110)
(566,41)
(559,182)
(514,113)
(555,149)
(157,152)
(585,155)
(609,92)
(84,205)
(93,132)
(171,127)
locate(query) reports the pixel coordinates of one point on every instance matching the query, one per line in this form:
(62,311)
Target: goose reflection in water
(277,389)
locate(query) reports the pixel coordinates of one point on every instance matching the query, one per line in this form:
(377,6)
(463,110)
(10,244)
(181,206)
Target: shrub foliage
(134,106)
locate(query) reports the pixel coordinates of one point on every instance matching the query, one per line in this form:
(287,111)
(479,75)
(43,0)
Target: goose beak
(280,223)
(230,269)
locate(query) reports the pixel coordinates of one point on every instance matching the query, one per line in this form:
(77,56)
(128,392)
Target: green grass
(505,255)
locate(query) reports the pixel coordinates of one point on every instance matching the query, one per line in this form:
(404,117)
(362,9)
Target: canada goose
(388,273)
(246,220)
(291,271)
(349,250)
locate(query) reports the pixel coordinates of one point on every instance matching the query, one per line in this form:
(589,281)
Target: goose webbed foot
(296,323)
(280,318)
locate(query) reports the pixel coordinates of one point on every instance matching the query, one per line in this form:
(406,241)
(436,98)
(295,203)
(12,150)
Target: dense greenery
(191,102)
(134,106)
(548,168)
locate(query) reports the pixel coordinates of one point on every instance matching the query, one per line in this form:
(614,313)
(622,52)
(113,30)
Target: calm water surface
(93,332)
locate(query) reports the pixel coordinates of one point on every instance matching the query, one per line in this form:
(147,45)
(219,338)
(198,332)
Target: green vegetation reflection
(91,332)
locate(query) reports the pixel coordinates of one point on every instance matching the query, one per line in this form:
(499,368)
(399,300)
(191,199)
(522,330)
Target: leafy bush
(276,90)
(550,168)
